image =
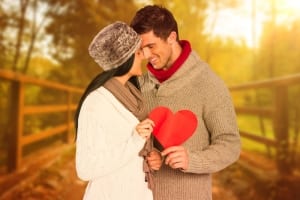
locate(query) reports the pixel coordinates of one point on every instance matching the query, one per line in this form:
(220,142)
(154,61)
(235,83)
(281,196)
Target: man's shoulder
(196,59)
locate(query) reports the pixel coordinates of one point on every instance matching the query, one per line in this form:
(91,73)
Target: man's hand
(176,157)
(154,160)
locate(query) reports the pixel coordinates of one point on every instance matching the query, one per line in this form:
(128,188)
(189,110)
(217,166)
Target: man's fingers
(171,150)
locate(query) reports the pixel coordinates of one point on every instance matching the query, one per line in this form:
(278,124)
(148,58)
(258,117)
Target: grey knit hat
(114,45)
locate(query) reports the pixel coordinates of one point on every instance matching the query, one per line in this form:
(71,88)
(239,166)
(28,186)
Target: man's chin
(156,67)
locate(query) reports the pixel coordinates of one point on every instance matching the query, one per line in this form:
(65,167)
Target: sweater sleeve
(96,155)
(224,145)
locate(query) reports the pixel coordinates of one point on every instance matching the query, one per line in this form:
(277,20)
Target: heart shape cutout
(172,129)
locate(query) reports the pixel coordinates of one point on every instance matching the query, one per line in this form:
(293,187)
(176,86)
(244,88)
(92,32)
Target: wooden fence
(278,112)
(17,140)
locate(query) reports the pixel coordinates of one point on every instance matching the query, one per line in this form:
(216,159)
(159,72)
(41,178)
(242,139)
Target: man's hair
(156,18)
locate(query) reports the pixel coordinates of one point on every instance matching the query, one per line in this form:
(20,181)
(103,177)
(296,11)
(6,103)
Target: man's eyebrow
(147,45)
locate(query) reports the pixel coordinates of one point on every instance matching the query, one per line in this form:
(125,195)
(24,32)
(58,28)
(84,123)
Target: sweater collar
(163,75)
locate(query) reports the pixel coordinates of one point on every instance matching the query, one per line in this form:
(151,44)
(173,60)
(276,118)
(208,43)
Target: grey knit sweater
(216,142)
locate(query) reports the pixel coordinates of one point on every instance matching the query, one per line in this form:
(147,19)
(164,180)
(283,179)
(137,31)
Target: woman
(109,136)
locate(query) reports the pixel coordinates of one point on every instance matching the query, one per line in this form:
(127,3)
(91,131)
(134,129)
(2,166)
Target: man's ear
(172,37)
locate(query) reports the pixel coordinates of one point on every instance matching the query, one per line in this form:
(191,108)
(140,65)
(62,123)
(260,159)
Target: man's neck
(176,51)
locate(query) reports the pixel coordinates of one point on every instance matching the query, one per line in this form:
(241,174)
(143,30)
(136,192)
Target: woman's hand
(155,160)
(145,128)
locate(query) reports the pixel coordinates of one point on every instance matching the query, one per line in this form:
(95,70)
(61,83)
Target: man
(178,79)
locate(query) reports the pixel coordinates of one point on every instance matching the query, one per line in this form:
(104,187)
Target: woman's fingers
(145,128)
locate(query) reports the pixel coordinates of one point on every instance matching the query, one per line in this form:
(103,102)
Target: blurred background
(254,46)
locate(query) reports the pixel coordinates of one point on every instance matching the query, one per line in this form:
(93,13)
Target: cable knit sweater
(216,142)
(107,149)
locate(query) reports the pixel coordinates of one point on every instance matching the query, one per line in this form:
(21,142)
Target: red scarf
(163,75)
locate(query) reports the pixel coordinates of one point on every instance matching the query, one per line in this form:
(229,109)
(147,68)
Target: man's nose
(147,53)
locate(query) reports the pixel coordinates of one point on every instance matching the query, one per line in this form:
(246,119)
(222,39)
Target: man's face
(158,52)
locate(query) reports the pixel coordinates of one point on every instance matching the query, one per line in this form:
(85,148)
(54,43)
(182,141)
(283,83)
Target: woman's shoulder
(98,98)
(100,93)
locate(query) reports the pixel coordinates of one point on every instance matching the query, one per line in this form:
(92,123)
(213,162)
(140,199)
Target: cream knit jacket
(216,142)
(107,149)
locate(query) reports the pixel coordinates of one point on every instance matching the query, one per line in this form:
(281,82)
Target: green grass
(251,124)
(253,146)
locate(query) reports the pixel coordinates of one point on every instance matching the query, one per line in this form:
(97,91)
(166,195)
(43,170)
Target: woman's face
(136,69)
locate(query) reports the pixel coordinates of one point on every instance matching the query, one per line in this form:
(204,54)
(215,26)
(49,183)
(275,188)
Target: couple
(111,120)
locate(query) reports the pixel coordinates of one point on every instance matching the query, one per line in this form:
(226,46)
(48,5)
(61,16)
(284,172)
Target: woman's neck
(122,79)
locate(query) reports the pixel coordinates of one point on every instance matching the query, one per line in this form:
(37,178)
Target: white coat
(107,149)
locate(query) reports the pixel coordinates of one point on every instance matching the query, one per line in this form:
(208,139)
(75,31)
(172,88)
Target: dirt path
(58,181)
(51,176)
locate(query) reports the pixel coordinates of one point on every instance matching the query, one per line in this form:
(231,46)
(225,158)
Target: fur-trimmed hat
(114,45)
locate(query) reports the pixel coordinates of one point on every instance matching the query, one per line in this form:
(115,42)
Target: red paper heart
(172,129)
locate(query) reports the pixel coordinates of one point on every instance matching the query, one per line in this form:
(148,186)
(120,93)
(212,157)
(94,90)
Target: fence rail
(277,112)
(17,140)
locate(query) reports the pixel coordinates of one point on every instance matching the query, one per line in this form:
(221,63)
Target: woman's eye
(139,52)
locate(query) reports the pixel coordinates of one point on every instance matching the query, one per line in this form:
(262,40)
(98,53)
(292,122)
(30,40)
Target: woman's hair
(156,18)
(100,79)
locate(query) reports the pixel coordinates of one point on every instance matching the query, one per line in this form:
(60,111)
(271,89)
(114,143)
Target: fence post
(281,129)
(16,126)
